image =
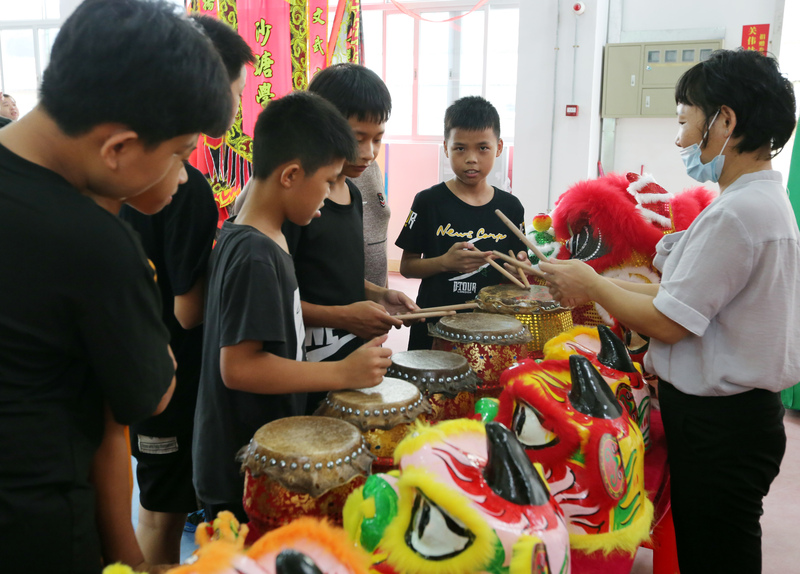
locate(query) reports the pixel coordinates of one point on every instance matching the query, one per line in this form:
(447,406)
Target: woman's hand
(571,282)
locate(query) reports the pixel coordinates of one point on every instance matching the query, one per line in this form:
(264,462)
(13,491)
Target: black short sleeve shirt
(252,295)
(80,324)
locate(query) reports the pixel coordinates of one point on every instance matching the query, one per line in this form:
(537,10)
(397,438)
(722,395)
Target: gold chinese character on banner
(263,29)
(319,46)
(208,4)
(316,19)
(263,65)
(265,94)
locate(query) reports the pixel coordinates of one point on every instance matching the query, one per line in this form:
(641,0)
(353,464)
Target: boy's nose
(183,177)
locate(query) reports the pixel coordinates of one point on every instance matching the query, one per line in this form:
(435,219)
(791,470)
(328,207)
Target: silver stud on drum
(318,466)
(329,465)
(272,462)
(307,466)
(346,459)
(293,466)
(358,412)
(282,464)
(385,412)
(338,462)
(394,411)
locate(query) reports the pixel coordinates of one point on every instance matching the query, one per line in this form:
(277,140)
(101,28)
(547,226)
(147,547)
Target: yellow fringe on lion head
(626,540)
(404,559)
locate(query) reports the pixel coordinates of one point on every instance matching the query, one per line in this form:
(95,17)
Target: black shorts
(164,472)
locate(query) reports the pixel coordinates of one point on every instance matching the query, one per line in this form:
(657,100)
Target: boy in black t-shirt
(80,321)
(341,309)
(253,370)
(452,228)
(178,240)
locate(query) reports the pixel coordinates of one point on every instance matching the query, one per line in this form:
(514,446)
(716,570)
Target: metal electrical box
(639,79)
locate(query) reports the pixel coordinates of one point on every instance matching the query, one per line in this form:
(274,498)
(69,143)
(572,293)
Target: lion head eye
(527,425)
(433,533)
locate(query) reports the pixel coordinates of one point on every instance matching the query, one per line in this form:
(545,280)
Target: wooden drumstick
(456,307)
(520,271)
(508,275)
(423,315)
(531,245)
(517,263)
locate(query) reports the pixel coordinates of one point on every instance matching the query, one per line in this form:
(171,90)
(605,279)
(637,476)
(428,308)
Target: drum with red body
(302,466)
(491,343)
(384,414)
(445,379)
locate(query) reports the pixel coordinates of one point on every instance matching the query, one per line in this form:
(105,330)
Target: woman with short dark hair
(724,320)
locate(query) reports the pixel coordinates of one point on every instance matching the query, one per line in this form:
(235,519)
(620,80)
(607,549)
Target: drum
(534,308)
(491,343)
(302,466)
(445,379)
(384,413)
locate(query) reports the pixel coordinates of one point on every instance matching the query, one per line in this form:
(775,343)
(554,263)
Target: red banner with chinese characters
(264,24)
(756,37)
(317,36)
(205,7)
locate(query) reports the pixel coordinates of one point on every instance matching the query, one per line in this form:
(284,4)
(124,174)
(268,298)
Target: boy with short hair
(253,371)
(178,240)
(452,227)
(80,321)
(341,309)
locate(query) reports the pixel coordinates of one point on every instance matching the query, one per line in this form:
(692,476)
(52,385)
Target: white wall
(553,151)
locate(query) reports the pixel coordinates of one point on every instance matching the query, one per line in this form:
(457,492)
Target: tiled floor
(781,520)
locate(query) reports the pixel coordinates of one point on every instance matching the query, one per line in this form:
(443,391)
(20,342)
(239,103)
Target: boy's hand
(398,302)
(368,319)
(367,365)
(464,257)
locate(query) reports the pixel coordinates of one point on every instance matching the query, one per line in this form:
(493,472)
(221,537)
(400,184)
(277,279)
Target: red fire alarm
(572,109)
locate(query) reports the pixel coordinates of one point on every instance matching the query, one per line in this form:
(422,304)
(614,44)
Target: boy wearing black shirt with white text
(452,227)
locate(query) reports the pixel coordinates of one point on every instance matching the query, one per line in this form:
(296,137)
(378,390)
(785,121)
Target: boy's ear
(499,147)
(446,153)
(290,174)
(116,145)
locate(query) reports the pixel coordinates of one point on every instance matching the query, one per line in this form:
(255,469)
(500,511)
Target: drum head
(384,406)
(434,372)
(309,455)
(485,328)
(511,300)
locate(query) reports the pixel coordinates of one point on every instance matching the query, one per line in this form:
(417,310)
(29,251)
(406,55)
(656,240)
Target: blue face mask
(695,167)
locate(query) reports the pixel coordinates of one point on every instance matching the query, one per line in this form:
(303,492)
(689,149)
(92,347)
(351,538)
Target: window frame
(453,7)
(34,26)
